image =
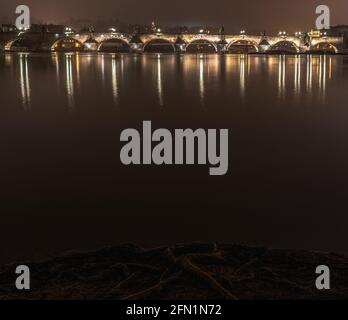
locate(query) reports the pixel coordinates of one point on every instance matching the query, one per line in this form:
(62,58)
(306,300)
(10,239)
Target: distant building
(8,28)
(340,31)
(38,28)
(50,28)
(56,28)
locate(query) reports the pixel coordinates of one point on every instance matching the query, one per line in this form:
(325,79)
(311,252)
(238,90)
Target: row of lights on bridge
(69,31)
(159,30)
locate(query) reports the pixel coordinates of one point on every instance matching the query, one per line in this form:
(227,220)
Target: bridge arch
(201,46)
(159,46)
(114,45)
(18,43)
(67,44)
(324,47)
(284,46)
(8,44)
(242,46)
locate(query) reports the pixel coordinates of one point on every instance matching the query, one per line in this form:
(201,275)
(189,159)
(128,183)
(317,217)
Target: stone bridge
(161,42)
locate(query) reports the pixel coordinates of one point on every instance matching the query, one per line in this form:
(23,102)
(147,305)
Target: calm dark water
(62,185)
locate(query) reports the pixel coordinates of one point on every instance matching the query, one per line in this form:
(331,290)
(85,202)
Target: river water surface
(63,187)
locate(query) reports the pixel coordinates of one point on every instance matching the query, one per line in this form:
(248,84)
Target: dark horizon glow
(248,14)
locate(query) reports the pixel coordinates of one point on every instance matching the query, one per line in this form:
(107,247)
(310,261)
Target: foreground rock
(192,271)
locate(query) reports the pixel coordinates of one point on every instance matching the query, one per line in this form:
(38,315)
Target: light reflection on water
(114,80)
(243,62)
(24,80)
(282,76)
(297,77)
(69,80)
(159,81)
(309,73)
(200,78)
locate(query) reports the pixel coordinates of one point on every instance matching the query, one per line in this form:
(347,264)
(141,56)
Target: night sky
(246,14)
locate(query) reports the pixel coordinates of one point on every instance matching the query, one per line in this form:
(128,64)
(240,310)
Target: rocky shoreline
(189,271)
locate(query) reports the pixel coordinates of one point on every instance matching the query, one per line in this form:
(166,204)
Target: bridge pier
(222,46)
